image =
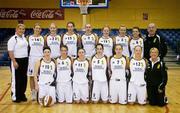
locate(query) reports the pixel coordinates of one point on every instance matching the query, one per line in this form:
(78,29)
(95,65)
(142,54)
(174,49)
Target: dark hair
(138,30)
(99,44)
(46,47)
(115,48)
(70,23)
(64,46)
(79,50)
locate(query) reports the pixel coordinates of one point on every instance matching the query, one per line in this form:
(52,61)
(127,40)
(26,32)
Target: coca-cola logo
(9,14)
(26,13)
(42,14)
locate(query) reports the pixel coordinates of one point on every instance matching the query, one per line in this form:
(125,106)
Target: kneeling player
(118,84)
(45,76)
(137,84)
(64,82)
(99,75)
(80,81)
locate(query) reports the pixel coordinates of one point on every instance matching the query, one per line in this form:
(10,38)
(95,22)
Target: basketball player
(53,41)
(45,76)
(118,84)
(107,41)
(80,80)
(89,40)
(64,79)
(36,44)
(99,75)
(71,39)
(136,40)
(137,84)
(124,40)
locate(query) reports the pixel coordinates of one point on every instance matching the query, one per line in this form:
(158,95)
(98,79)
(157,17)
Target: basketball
(46,101)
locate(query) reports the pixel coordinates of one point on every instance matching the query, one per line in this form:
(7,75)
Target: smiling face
(118,49)
(53,28)
(137,51)
(47,53)
(37,29)
(135,33)
(70,27)
(88,28)
(81,53)
(64,51)
(106,31)
(154,53)
(20,29)
(151,29)
(122,31)
(99,49)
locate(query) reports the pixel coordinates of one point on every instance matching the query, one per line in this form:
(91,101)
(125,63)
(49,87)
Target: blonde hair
(154,48)
(37,24)
(107,27)
(19,25)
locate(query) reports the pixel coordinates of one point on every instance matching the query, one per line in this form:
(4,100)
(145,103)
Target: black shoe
(17,101)
(24,99)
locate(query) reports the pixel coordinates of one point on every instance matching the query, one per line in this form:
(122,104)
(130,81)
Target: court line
(3,94)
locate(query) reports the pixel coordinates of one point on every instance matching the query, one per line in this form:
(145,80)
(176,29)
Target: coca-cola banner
(31,14)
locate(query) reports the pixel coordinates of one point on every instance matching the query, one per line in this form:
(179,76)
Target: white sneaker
(33,95)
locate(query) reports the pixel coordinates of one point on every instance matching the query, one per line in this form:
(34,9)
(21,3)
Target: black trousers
(19,79)
(154,97)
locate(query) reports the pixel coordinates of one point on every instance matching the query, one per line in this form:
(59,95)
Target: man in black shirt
(156,78)
(154,40)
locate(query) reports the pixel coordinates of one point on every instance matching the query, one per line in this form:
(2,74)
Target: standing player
(89,41)
(36,44)
(136,40)
(71,39)
(118,84)
(137,84)
(99,75)
(53,41)
(80,80)
(107,41)
(45,76)
(124,40)
(64,82)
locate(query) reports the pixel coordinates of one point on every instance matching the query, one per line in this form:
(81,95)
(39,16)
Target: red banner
(31,14)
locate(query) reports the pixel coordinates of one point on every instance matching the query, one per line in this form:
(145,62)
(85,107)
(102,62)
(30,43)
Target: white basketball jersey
(137,69)
(63,70)
(99,68)
(108,45)
(124,41)
(89,42)
(71,42)
(46,72)
(118,68)
(135,42)
(36,46)
(80,69)
(54,44)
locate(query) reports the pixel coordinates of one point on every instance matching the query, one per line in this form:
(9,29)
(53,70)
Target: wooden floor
(173,93)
